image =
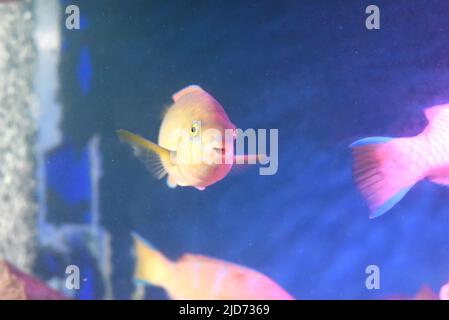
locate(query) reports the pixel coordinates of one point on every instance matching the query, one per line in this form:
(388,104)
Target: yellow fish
(196,141)
(195,277)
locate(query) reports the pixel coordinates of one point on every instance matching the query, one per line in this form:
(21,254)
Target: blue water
(310,69)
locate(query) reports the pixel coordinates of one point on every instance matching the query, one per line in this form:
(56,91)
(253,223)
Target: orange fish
(195,277)
(194,138)
(385,169)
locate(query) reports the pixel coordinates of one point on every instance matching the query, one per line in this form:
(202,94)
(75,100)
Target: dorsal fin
(186,90)
(433,112)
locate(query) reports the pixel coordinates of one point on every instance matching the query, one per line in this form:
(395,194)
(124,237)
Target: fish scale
(438,145)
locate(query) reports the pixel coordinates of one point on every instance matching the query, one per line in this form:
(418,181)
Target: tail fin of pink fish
(380,171)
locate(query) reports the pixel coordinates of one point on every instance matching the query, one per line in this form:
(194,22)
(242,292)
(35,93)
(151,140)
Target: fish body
(193,141)
(385,169)
(196,277)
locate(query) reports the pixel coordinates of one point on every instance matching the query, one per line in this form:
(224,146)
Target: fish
(195,144)
(424,293)
(444,292)
(385,168)
(197,277)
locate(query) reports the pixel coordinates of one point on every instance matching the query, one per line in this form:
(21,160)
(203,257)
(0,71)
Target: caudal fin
(380,170)
(152,267)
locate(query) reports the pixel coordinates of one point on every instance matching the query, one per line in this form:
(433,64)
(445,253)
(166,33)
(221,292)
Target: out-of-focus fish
(196,141)
(444,292)
(202,278)
(425,293)
(385,169)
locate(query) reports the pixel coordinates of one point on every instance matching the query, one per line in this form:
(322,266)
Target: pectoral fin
(150,153)
(171,183)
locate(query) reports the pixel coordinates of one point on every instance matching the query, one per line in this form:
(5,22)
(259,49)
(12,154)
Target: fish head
(202,136)
(205,150)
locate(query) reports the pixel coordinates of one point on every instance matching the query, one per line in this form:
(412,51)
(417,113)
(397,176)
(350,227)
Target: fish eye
(194,129)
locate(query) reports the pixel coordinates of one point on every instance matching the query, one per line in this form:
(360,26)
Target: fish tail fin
(152,267)
(150,153)
(381,171)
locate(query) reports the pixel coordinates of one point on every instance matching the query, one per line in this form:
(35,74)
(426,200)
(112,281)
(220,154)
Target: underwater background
(308,68)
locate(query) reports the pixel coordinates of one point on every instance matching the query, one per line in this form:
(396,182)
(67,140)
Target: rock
(16,285)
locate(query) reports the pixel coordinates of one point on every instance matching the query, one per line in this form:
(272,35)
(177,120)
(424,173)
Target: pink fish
(385,169)
(195,277)
(425,293)
(444,292)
